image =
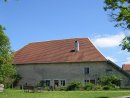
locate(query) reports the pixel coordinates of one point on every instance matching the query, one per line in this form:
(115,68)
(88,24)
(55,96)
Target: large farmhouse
(58,62)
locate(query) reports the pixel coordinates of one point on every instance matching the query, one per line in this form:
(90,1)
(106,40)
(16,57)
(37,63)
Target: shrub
(16,78)
(110,80)
(97,87)
(46,88)
(106,87)
(89,86)
(61,88)
(74,86)
(110,87)
(114,87)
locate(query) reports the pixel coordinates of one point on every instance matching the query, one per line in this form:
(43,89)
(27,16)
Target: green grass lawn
(64,94)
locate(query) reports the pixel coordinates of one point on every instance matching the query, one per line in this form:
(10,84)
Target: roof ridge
(57,40)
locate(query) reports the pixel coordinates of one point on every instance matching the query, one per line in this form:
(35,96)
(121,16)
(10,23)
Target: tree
(7,70)
(120,13)
(126,43)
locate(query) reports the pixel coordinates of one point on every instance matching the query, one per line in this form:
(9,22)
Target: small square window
(86,81)
(86,70)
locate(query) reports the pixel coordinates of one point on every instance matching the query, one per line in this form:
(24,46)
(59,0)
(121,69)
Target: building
(126,67)
(58,62)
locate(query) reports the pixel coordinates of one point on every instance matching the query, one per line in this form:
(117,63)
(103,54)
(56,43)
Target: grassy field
(64,94)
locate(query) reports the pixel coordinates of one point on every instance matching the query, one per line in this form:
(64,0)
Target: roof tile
(57,51)
(126,67)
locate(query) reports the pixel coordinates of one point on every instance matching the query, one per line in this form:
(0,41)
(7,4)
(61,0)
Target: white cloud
(127,61)
(111,59)
(109,41)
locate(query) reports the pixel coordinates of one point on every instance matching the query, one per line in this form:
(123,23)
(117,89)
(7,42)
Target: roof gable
(58,51)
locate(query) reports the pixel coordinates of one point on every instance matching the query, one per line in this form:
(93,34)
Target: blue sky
(29,21)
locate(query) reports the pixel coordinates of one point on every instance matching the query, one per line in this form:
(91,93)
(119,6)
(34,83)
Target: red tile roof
(126,67)
(57,51)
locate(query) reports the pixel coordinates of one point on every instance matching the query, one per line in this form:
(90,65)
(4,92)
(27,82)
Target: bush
(97,87)
(46,88)
(62,88)
(74,86)
(106,87)
(16,78)
(89,86)
(114,87)
(111,87)
(110,80)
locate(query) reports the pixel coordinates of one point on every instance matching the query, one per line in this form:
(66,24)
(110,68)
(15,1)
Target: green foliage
(97,87)
(110,80)
(59,89)
(75,85)
(10,93)
(41,84)
(119,11)
(17,78)
(126,43)
(110,87)
(7,70)
(89,86)
(62,89)
(106,87)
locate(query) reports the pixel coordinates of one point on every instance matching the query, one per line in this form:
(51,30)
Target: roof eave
(56,62)
(118,68)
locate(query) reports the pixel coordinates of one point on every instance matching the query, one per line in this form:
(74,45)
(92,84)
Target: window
(45,83)
(86,81)
(59,83)
(92,81)
(56,83)
(86,70)
(62,82)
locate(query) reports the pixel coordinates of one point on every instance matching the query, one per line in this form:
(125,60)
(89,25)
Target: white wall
(33,73)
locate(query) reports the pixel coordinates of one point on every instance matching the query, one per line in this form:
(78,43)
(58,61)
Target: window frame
(86,70)
(60,82)
(45,83)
